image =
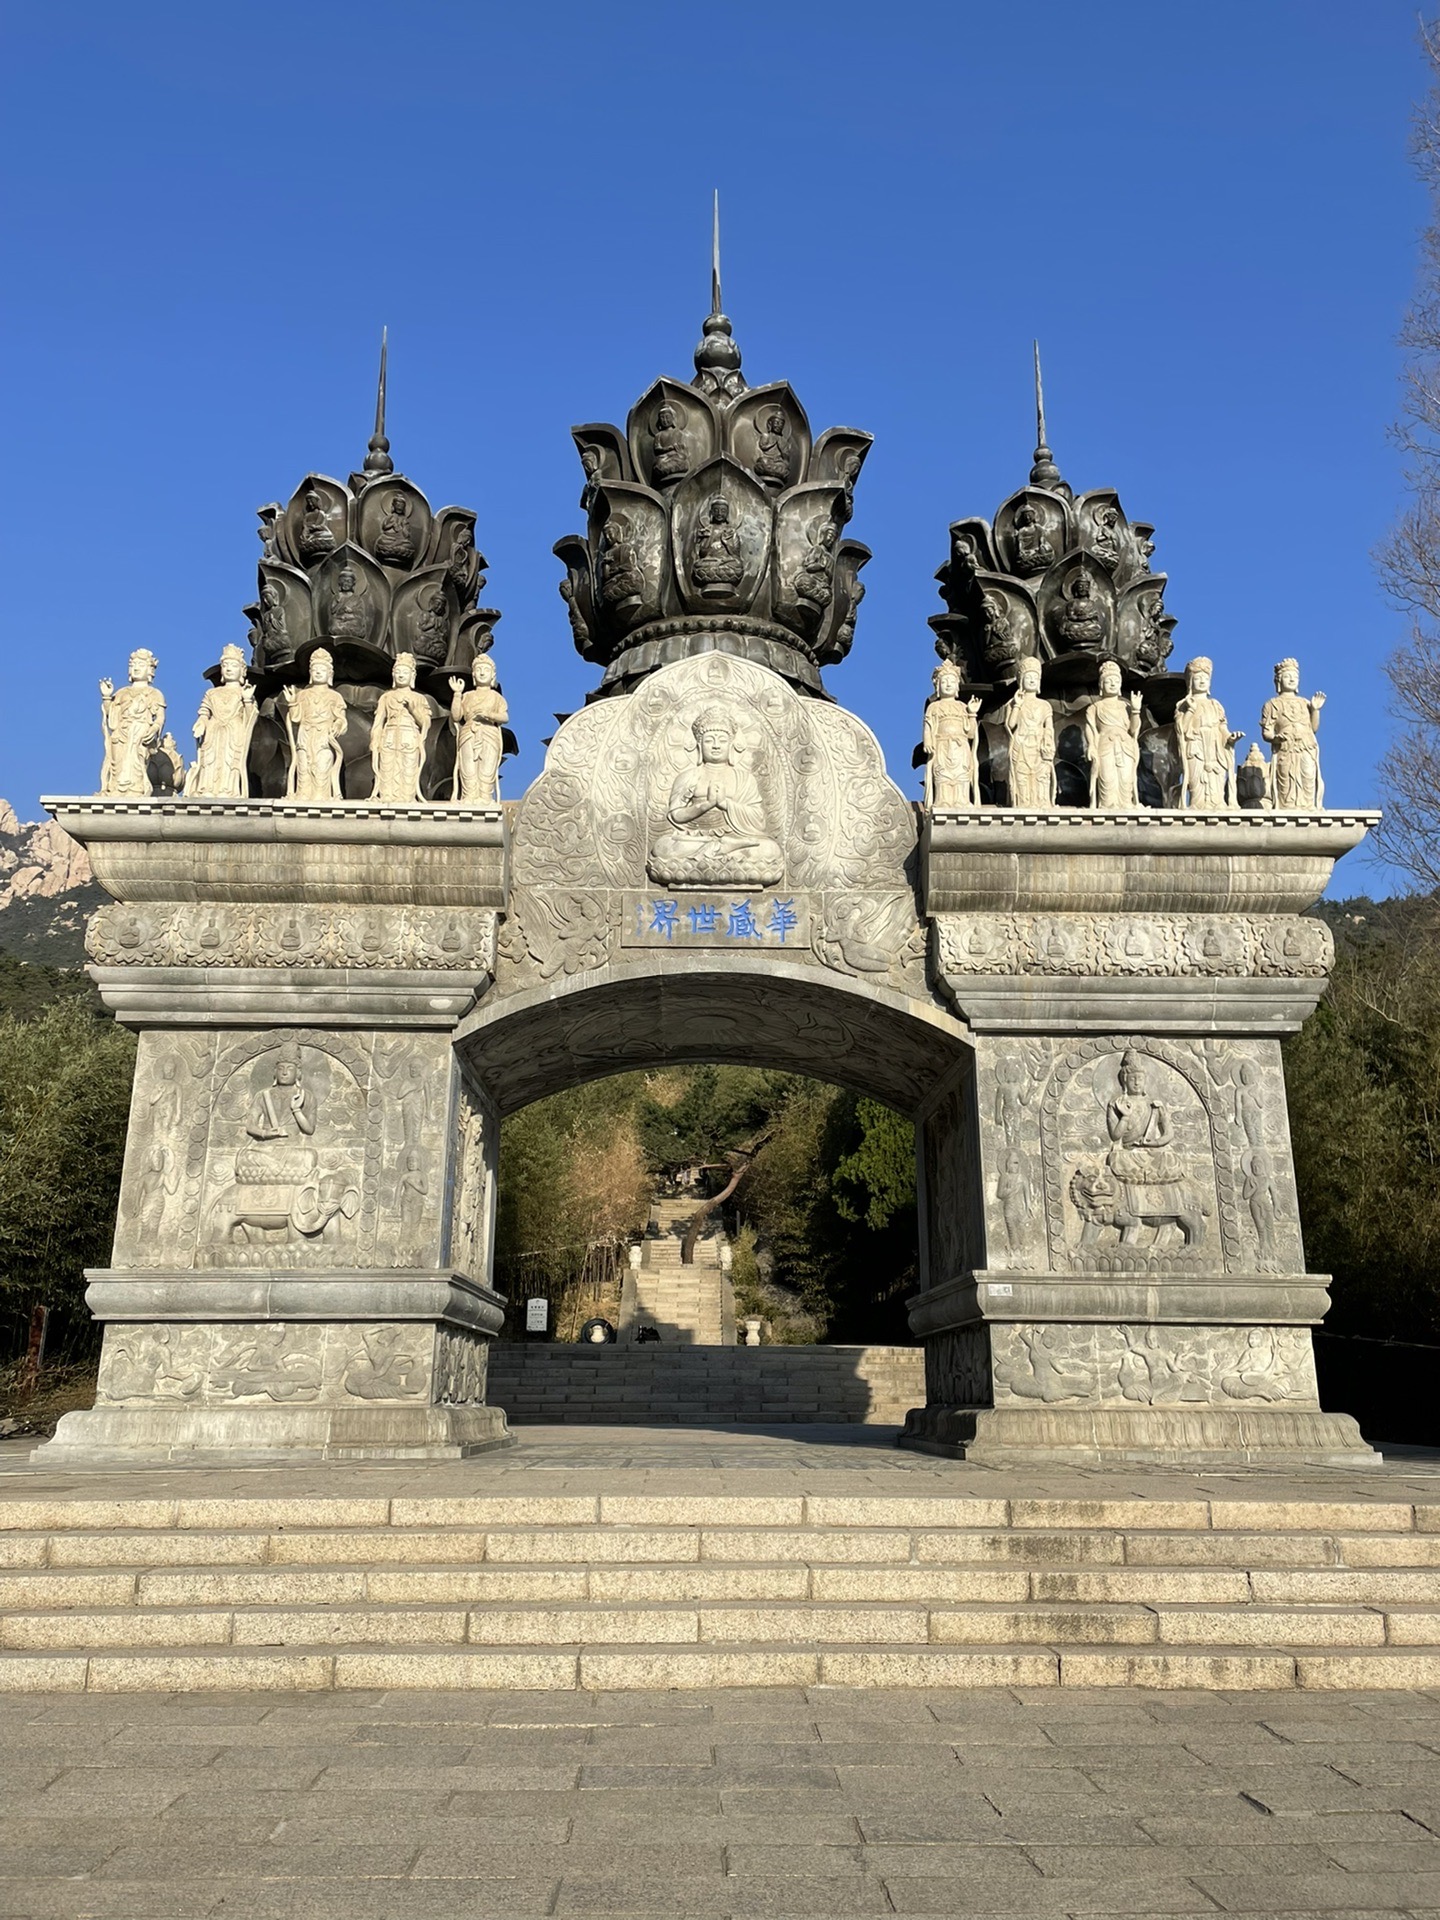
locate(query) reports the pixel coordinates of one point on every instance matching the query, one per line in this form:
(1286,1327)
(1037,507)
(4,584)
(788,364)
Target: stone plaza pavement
(378,1804)
(821,1801)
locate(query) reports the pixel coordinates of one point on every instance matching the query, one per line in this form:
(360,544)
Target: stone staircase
(690,1306)
(655,1590)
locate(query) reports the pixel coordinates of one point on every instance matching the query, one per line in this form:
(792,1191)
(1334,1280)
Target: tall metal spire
(1044,473)
(377,460)
(717,358)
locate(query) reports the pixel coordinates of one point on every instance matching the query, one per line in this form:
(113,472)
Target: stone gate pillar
(1113,1240)
(305,1214)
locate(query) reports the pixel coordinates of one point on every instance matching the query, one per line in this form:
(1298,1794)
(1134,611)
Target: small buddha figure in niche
(222,733)
(813,581)
(1152,645)
(274,627)
(1000,643)
(772,456)
(349,605)
(1105,540)
(315,718)
(622,581)
(396,540)
(462,554)
(478,715)
(715,562)
(1289,724)
(132,722)
(1112,742)
(1030,726)
(285,1107)
(397,737)
(1034,550)
(716,828)
(317,536)
(672,457)
(950,743)
(1084,619)
(432,633)
(1205,742)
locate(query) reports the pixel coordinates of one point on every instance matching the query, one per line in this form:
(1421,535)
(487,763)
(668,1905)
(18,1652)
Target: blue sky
(1206,214)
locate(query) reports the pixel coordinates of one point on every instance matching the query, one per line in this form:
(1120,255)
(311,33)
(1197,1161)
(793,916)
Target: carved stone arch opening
(744,1011)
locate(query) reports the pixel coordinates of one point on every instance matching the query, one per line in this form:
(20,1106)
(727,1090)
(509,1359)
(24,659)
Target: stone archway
(1080,1010)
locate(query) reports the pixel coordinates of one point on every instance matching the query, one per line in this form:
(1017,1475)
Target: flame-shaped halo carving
(452,546)
(604,454)
(351,598)
(1033,529)
(630,537)
(673,431)
(284,619)
(1009,625)
(1077,606)
(808,520)
(720,529)
(839,454)
(767,432)
(314,522)
(426,613)
(972,552)
(839,635)
(577,590)
(393,521)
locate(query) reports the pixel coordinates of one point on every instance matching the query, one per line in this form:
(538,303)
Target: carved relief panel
(293,1157)
(474,1150)
(276,1363)
(165,1150)
(1152,1366)
(714,778)
(1133,1154)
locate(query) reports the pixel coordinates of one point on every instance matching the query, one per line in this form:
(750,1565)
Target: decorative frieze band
(445,939)
(1158,944)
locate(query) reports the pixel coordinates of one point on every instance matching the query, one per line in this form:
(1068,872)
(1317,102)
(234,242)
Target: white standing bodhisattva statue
(1031,727)
(315,718)
(397,736)
(950,743)
(222,734)
(1112,742)
(479,714)
(132,721)
(1289,724)
(1205,744)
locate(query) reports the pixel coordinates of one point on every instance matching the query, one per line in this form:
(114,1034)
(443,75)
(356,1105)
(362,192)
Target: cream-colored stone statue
(716,818)
(132,722)
(1031,727)
(222,734)
(1289,723)
(1205,743)
(950,743)
(397,736)
(479,714)
(315,719)
(1112,742)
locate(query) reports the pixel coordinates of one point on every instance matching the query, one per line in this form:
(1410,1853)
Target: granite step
(686,1590)
(160,1669)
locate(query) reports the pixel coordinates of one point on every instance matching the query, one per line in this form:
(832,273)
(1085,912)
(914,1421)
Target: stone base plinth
(1283,1438)
(270,1436)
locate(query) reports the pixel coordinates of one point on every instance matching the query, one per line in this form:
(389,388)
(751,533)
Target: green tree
(64,1103)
